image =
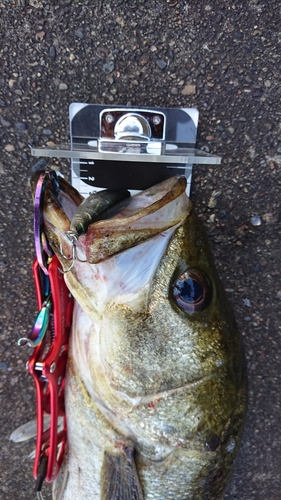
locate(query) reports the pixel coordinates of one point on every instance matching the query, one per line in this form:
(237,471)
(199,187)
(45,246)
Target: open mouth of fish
(117,254)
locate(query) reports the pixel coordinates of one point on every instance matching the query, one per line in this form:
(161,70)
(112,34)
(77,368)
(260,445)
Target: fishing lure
(40,326)
(99,205)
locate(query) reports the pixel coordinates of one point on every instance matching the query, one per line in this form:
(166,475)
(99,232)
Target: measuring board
(130,148)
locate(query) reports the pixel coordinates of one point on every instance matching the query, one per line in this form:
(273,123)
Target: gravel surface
(222,57)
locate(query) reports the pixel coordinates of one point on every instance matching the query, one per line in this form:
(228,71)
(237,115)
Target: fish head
(105,271)
(161,341)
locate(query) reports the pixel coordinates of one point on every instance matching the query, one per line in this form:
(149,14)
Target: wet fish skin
(143,371)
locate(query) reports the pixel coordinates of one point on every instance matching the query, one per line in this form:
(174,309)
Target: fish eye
(191,291)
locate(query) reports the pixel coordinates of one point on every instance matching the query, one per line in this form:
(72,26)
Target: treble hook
(73,238)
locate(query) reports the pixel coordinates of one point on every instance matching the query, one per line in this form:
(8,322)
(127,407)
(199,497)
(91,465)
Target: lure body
(97,206)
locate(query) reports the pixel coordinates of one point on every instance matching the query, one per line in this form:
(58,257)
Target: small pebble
(21,126)
(3,366)
(108,67)
(40,35)
(256,220)
(189,90)
(5,123)
(213,199)
(46,131)
(9,148)
(11,83)
(63,86)
(52,52)
(161,64)
(79,33)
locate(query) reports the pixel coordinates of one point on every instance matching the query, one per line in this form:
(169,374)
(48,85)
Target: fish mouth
(146,214)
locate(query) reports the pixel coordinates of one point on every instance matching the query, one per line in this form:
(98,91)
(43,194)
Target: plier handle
(47,365)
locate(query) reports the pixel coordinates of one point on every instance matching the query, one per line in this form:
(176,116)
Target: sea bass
(156,383)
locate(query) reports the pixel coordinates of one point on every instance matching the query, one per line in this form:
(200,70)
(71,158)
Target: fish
(156,382)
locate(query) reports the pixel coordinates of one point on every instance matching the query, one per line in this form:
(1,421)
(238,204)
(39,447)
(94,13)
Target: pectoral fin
(119,476)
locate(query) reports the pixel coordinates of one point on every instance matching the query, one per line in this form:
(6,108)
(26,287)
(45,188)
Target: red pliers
(47,364)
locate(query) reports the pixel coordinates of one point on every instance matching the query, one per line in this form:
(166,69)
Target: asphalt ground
(222,57)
